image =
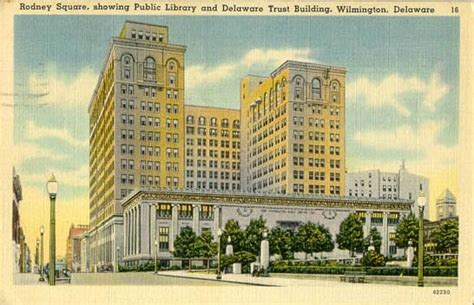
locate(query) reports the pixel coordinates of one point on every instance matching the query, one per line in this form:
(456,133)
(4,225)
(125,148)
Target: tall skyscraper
(293,130)
(136,129)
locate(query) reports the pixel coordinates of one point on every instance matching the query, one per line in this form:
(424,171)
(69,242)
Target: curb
(216,280)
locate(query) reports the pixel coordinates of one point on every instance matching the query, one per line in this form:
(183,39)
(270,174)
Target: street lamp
(118,259)
(421,206)
(52,188)
(156,256)
(219,234)
(42,255)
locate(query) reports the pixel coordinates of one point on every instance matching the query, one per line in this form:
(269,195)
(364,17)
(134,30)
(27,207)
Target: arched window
(298,93)
(149,72)
(225,123)
(278,94)
(335,85)
(127,67)
(265,104)
(172,79)
(316,88)
(236,124)
(213,122)
(190,119)
(202,120)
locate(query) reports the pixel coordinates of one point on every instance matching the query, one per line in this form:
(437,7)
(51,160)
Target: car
(61,271)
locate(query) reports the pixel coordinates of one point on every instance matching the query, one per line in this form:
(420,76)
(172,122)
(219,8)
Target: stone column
(174,225)
(196,219)
(145,228)
(153,234)
(217,218)
(134,223)
(368,223)
(139,214)
(384,249)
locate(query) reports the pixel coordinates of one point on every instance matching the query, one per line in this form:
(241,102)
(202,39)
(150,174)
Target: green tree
(185,244)
(373,259)
(446,236)
(206,246)
(281,242)
(253,235)
(312,238)
(376,239)
(232,228)
(351,234)
(406,230)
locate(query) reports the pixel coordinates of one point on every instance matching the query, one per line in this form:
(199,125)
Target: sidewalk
(313,280)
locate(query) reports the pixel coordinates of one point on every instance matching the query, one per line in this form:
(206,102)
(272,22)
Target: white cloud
(36,132)
(274,57)
(389,91)
(420,142)
(76,177)
(197,75)
(29,151)
(63,89)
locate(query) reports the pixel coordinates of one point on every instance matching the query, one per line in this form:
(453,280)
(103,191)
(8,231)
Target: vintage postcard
(236,152)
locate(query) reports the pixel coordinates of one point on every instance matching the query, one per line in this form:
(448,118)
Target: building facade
(293,130)
(212,148)
(136,128)
(85,253)
(159,215)
(16,229)
(388,185)
(445,205)
(73,247)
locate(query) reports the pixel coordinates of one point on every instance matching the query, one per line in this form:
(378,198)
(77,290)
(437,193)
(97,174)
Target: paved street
(127,278)
(185,278)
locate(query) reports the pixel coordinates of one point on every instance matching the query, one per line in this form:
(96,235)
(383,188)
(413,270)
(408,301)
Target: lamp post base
(219,276)
(421,284)
(41,279)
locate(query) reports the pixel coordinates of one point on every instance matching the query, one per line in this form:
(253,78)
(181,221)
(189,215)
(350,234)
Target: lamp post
(219,234)
(41,255)
(421,207)
(37,258)
(52,188)
(118,259)
(156,256)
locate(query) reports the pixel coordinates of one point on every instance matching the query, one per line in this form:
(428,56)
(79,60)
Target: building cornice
(246,199)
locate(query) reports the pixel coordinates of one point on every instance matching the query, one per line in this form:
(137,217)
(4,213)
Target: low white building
(160,215)
(388,185)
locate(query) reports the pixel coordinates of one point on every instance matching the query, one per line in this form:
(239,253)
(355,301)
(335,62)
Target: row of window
(213,122)
(212,142)
(213,175)
(213,164)
(204,185)
(225,154)
(212,132)
(299,188)
(148,106)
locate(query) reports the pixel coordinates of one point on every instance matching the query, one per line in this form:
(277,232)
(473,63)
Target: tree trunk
(208,265)
(189,267)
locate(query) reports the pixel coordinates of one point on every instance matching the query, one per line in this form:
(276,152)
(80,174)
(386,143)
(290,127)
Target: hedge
(428,271)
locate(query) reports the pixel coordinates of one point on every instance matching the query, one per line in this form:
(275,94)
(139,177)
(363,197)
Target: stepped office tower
(293,130)
(136,130)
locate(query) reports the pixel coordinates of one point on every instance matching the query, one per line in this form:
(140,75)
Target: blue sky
(401,89)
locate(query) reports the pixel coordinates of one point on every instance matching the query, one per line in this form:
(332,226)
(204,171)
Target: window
(164,233)
(185,211)
(316,88)
(149,70)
